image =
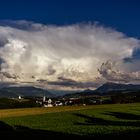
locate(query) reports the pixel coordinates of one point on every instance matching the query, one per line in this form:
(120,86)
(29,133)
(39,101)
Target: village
(52,102)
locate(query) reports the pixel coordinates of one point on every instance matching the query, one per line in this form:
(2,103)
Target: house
(58,103)
(19,97)
(48,103)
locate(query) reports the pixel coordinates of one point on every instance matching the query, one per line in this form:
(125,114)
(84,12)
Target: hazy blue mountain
(24,91)
(87,92)
(62,92)
(107,87)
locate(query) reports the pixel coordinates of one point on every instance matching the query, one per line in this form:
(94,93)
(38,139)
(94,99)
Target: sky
(120,14)
(73,44)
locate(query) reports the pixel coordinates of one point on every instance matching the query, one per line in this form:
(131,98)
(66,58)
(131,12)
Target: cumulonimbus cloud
(32,52)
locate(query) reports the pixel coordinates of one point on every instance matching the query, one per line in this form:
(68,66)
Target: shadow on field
(129,134)
(5,127)
(99,121)
(21,132)
(122,115)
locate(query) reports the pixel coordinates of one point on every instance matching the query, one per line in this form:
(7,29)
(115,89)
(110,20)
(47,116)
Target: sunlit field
(4,113)
(83,121)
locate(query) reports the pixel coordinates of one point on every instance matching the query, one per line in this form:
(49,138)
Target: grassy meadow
(98,121)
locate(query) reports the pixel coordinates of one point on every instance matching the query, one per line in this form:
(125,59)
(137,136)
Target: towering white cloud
(32,52)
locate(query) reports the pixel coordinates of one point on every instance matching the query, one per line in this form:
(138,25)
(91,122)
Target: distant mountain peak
(24,91)
(116,86)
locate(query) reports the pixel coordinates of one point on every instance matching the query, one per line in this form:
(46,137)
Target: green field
(96,121)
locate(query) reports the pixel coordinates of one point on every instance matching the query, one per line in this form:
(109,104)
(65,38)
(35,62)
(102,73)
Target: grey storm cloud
(110,72)
(66,55)
(64,82)
(3,41)
(8,75)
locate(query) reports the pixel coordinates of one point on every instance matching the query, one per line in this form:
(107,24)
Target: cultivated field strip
(5,113)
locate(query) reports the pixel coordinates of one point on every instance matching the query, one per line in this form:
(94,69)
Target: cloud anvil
(80,53)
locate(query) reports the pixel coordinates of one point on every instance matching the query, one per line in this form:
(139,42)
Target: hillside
(107,87)
(84,93)
(24,91)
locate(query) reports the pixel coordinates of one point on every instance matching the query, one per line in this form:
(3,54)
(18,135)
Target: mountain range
(24,91)
(105,89)
(109,89)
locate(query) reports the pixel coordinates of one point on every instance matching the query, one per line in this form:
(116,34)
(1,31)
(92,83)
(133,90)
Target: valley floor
(82,122)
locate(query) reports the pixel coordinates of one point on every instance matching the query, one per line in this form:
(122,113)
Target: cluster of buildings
(48,102)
